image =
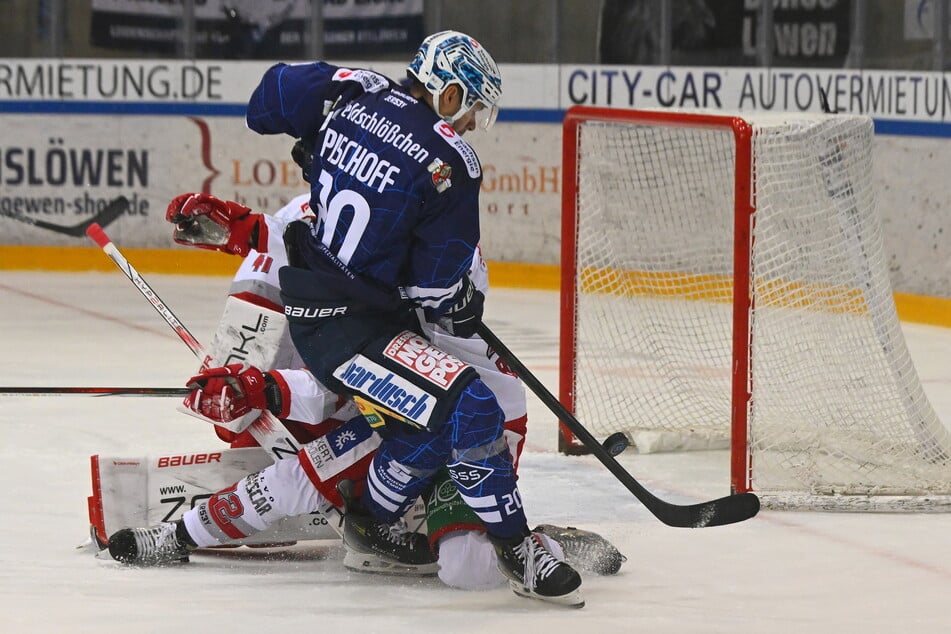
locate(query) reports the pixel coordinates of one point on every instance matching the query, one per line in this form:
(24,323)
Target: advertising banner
(79,133)
(77,165)
(812,34)
(259,29)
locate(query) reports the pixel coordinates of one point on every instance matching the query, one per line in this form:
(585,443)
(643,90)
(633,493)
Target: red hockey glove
(232,396)
(206,222)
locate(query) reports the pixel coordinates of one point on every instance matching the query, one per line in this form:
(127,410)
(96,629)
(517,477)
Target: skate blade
(374,564)
(92,543)
(571,600)
(103,555)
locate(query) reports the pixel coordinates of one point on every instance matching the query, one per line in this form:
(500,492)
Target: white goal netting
(837,416)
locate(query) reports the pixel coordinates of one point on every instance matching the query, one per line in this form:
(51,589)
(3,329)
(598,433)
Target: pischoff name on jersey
(358,161)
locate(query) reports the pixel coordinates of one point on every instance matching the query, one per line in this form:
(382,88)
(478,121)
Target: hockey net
(724,285)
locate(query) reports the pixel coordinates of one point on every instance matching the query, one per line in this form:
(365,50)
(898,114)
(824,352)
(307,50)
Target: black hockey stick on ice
(105,217)
(95,391)
(726,510)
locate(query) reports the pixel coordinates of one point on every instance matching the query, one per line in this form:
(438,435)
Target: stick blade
(720,512)
(104,218)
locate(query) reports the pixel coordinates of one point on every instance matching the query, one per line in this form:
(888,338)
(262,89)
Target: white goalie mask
(451,57)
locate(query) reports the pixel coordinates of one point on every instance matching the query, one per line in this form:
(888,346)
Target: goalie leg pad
(149,490)
(145,491)
(252,334)
(467,561)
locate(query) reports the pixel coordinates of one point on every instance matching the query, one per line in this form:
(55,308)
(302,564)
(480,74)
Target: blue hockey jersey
(395,188)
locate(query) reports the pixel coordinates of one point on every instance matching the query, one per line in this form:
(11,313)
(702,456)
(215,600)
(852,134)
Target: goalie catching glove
(234,396)
(207,222)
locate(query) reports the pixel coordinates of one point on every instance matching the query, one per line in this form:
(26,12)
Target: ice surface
(781,572)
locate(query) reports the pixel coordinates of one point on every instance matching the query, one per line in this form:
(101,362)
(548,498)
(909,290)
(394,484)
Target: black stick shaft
(726,510)
(96,391)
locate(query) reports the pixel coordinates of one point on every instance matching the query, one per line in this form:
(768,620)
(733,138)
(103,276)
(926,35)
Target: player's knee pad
(477,416)
(408,378)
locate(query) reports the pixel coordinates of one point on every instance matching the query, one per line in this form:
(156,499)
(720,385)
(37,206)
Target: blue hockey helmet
(451,57)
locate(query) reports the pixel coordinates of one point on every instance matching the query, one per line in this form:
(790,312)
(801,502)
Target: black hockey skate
(585,550)
(534,572)
(153,546)
(372,546)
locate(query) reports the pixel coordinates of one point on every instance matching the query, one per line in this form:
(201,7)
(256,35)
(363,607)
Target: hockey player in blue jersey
(381,273)
(396,190)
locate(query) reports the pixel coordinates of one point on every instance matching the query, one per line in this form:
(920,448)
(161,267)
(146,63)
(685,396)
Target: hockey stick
(726,510)
(109,213)
(267,430)
(97,391)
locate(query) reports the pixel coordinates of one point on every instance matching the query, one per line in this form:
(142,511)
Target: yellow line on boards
(935,311)
(184,261)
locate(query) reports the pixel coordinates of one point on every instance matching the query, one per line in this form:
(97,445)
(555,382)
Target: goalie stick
(726,510)
(105,217)
(267,430)
(97,391)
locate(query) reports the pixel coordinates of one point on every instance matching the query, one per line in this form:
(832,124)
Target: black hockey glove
(466,314)
(303,155)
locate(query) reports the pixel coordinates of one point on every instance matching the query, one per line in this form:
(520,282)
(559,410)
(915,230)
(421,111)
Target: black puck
(616,443)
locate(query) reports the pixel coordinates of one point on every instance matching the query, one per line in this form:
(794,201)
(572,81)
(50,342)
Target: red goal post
(724,285)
